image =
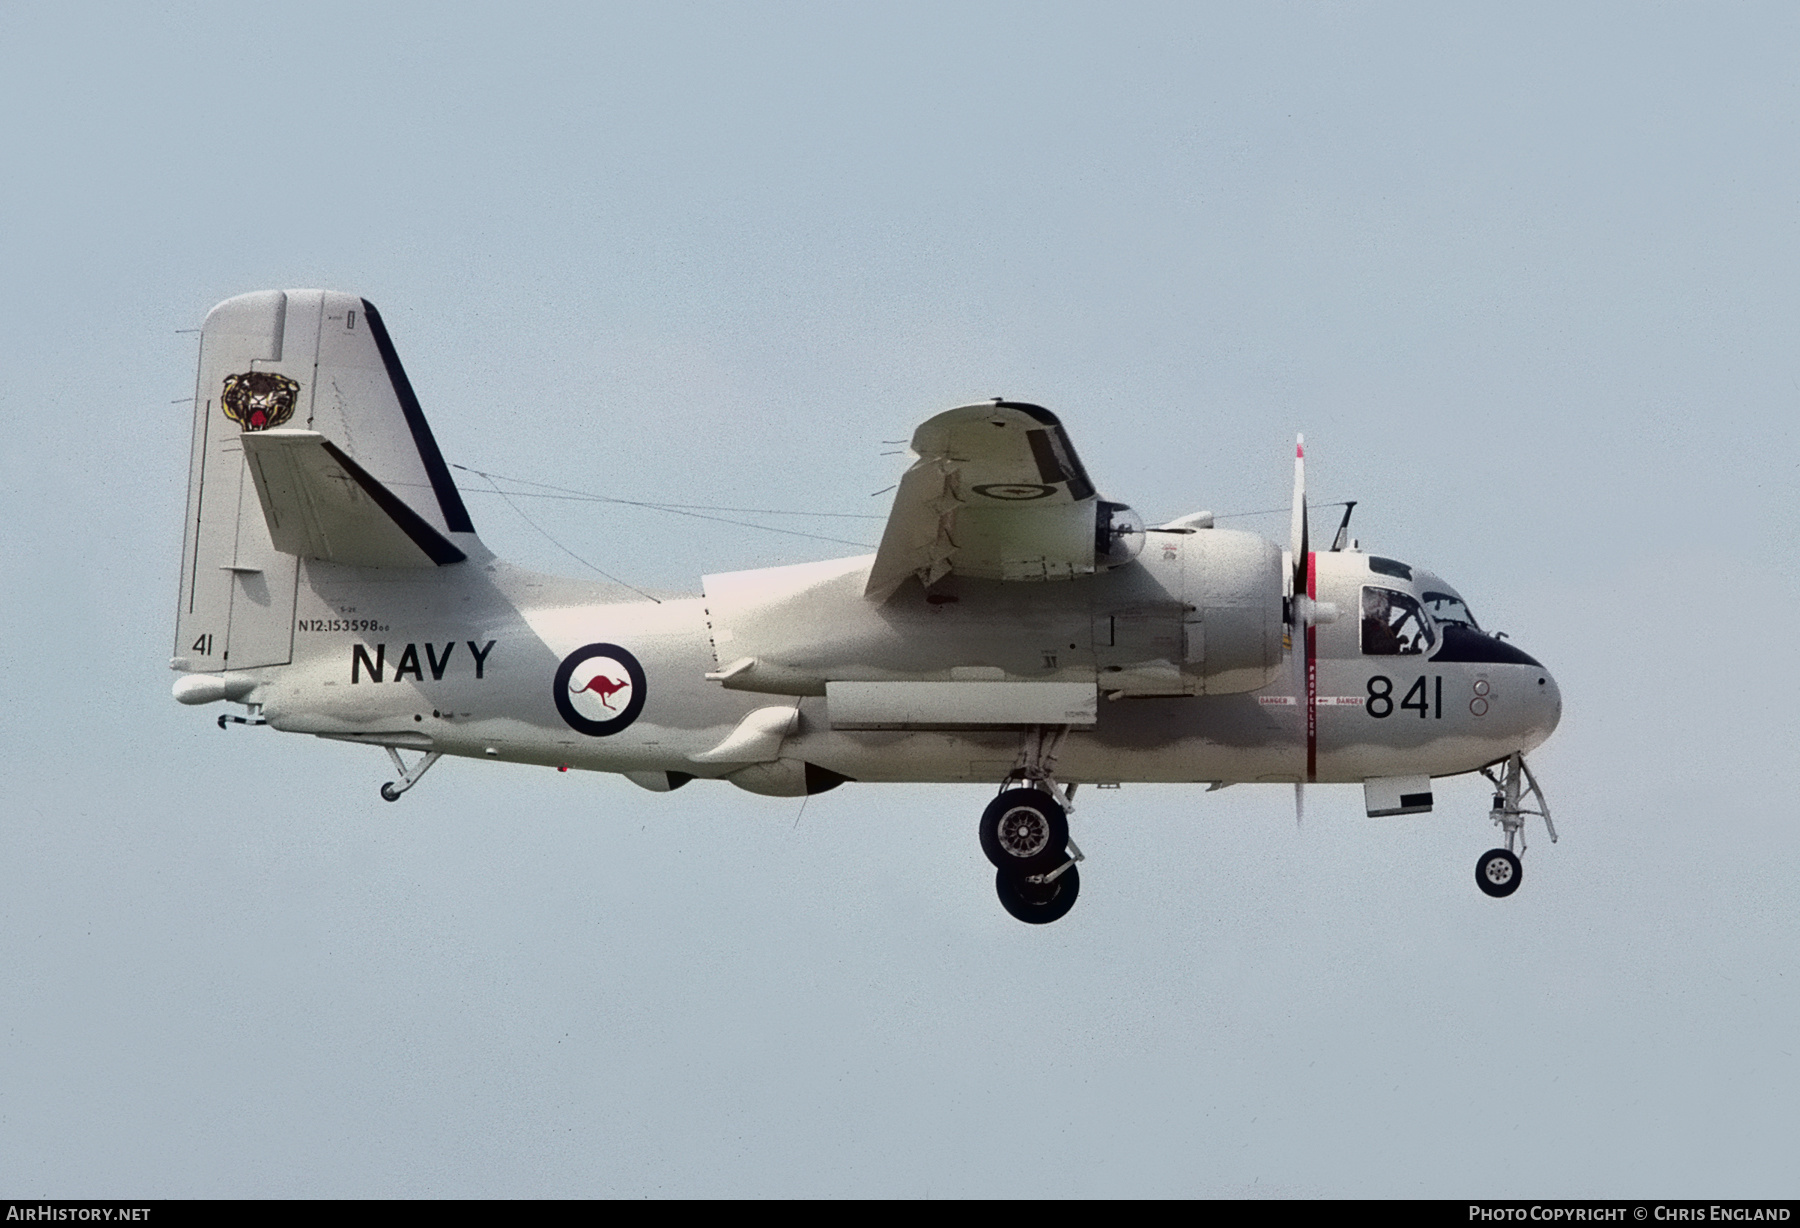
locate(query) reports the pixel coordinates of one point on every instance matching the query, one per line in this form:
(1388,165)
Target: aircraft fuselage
(465,662)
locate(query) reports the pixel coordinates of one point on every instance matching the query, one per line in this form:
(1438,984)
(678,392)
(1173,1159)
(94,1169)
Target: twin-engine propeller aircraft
(1013,628)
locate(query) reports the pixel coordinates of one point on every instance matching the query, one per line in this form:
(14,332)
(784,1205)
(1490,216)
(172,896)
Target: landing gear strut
(1025,833)
(1498,872)
(409,776)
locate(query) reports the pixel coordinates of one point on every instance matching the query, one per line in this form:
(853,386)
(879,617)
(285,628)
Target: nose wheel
(1498,872)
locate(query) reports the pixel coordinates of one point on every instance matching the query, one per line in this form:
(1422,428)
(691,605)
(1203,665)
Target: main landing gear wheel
(1037,903)
(1024,832)
(1498,872)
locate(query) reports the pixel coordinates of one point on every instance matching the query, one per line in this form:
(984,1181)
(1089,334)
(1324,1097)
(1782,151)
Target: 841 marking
(1418,698)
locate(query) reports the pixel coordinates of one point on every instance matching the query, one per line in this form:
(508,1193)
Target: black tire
(389,793)
(1498,873)
(1024,831)
(1038,903)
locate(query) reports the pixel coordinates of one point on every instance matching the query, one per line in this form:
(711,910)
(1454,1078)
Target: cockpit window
(1449,608)
(1393,624)
(1389,567)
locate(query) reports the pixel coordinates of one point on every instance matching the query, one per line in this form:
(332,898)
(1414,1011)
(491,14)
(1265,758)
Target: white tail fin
(355,478)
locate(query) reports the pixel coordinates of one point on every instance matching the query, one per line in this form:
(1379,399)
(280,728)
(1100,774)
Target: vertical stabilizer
(291,360)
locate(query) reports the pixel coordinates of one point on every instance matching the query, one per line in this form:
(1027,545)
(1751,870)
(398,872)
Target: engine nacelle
(1232,628)
(1200,615)
(1197,612)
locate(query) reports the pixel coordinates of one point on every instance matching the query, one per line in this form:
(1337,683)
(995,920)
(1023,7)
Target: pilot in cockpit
(1392,624)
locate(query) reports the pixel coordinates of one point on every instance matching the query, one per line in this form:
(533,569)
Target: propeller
(1300,619)
(1297,529)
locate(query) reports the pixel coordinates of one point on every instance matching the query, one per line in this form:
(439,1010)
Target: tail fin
(308,441)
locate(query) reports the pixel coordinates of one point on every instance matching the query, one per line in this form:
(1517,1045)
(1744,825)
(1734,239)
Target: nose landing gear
(1498,872)
(1025,834)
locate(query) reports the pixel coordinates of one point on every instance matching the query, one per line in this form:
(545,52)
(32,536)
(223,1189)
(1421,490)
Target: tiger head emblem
(258,400)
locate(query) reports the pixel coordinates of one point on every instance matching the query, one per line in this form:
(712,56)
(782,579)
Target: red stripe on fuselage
(1312,672)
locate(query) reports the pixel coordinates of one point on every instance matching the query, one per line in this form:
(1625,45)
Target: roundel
(1015,490)
(599,689)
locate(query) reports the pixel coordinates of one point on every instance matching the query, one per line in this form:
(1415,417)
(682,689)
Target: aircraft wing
(321,504)
(997,493)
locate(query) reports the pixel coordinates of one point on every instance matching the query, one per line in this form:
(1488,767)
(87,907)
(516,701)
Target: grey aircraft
(1013,629)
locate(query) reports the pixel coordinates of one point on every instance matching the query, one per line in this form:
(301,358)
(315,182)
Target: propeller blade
(1301,628)
(1297,527)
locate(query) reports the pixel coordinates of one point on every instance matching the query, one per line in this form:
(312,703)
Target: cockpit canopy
(1407,611)
(1442,602)
(1447,607)
(1412,616)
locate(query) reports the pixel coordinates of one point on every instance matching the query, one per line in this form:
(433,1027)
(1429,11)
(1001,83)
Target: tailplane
(308,443)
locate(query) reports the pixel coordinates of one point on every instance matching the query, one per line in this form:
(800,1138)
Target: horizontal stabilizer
(320,504)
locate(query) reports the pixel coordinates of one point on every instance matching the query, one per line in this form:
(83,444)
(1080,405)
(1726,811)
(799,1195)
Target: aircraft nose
(1545,705)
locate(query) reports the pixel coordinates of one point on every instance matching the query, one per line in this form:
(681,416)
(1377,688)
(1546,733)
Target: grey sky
(1526,277)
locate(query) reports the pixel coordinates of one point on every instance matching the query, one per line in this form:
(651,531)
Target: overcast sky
(1525,275)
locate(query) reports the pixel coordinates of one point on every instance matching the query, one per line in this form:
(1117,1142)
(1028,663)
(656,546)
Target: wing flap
(320,504)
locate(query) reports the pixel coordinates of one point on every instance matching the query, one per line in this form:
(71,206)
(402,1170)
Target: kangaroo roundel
(599,689)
